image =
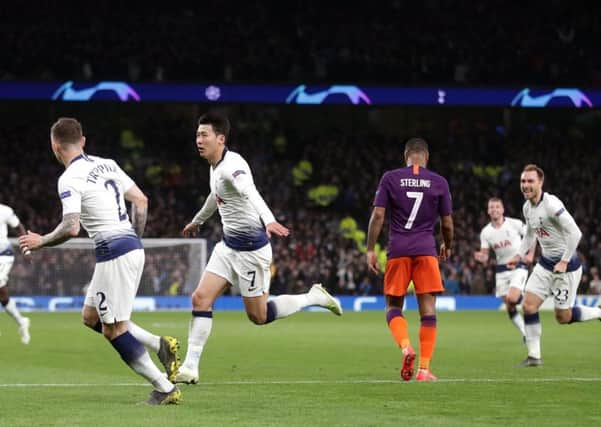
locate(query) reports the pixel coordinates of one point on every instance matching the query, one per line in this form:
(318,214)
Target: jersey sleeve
(9,217)
(126,182)
(70,195)
(484,239)
(571,231)
(446,203)
(381,198)
(240,176)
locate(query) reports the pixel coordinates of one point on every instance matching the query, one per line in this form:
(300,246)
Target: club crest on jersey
(238,172)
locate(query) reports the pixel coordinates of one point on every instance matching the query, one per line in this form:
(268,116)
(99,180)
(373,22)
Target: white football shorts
(510,279)
(6,263)
(247,271)
(563,287)
(114,286)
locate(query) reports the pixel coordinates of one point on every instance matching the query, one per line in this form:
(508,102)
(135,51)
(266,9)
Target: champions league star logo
(102,90)
(559,96)
(352,93)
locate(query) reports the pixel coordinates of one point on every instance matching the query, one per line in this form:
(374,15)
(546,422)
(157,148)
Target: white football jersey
(544,220)
(7,217)
(230,179)
(505,240)
(94,187)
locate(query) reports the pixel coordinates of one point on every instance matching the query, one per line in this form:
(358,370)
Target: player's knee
(563,317)
(200,301)
(529,308)
(88,320)
(257,318)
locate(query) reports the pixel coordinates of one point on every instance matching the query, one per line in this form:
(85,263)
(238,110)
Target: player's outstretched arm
(277,229)
(208,208)
(191,229)
(67,229)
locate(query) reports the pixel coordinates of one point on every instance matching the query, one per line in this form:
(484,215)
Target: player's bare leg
(427,335)
(260,311)
(399,330)
(511,300)
(533,330)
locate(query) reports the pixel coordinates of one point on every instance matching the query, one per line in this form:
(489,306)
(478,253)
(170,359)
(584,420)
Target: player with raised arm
(7,258)
(558,271)
(415,198)
(243,258)
(93,191)
(503,236)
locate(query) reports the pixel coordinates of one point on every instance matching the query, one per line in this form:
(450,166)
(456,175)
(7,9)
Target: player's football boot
(408,362)
(425,375)
(24,330)
(324,299)
(168,349)
(186,376)
(172,397)
(531,362)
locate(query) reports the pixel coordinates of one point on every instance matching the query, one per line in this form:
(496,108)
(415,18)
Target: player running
(503,236)
(93,191)
(558,271)
(243,258)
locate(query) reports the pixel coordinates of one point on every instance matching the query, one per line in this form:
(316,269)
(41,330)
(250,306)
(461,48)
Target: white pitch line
(319,382)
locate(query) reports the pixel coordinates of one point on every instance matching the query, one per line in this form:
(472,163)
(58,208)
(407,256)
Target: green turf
(311,369)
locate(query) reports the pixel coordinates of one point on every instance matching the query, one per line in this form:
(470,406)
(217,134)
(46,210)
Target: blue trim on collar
(225,150)
(81,156)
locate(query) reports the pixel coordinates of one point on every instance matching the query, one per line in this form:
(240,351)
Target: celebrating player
(93,191)
(503,235)
(243,258)
(558,271)
(416,197)
(7,257)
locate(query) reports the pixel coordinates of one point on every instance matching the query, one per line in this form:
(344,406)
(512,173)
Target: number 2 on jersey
(111,183)
(416,204)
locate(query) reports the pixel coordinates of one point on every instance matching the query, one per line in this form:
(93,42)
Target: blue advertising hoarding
(301,94)
(229,303)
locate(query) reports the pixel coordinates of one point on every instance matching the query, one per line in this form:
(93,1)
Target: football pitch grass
(310,369)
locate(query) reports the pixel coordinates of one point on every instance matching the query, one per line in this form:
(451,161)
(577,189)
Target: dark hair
(219,122)
(495,199)
(66,130)
(532,167)
(416,145)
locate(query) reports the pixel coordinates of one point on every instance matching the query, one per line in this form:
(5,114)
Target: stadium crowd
(399,42)
(318,177)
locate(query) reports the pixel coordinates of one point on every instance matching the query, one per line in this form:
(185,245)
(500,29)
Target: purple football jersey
(415,198)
